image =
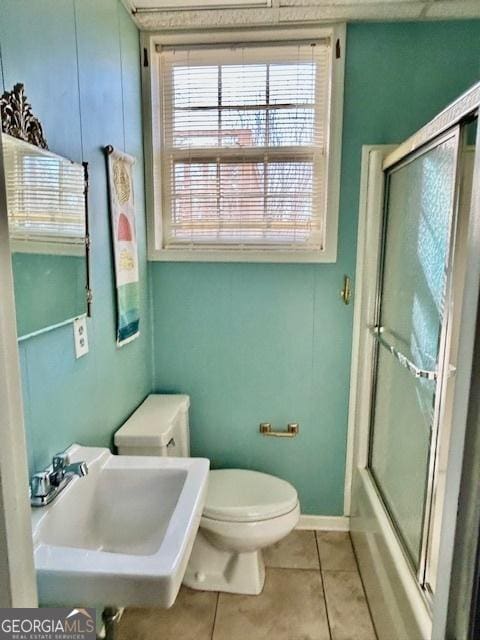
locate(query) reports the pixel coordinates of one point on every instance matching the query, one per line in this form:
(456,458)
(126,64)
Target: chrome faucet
(46,485)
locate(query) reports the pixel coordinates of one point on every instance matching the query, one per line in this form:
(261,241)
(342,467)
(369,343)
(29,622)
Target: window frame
(153,143)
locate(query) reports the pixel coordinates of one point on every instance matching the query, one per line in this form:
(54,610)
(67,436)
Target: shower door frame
(370,523)
(442,370)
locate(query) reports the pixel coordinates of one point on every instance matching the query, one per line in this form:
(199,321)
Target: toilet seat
(240,495)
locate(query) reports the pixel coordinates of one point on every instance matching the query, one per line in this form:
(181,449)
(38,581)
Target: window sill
(247,255)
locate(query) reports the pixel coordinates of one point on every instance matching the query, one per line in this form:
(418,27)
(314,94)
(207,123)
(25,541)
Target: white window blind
(244,146)
(45,194)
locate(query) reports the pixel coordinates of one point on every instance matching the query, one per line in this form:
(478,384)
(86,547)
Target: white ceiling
(155,15)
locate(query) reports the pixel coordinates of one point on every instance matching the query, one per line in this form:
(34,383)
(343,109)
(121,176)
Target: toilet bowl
(245,511)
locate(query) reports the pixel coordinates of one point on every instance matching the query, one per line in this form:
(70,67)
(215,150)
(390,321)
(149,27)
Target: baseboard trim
(324,523)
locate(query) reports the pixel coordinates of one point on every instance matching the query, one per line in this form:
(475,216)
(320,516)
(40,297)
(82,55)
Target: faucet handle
(60,461)
(40,484)
(79,469)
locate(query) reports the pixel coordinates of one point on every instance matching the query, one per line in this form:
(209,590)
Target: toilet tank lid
(151,425)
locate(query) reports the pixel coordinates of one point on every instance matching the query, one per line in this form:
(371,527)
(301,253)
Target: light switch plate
(81,337)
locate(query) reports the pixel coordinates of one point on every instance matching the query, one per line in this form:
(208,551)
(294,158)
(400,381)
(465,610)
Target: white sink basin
(122,535)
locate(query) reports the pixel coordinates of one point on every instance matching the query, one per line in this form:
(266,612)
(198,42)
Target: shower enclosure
(410,331)
(414,320)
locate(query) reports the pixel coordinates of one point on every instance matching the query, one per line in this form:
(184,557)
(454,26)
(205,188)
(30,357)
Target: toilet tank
(159,427)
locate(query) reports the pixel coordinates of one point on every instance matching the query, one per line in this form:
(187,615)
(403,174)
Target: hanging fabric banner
(124,238)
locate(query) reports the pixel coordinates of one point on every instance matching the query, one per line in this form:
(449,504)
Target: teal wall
(79,61)
(265,342)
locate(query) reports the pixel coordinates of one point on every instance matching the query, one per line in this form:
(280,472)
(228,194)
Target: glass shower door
(410,334)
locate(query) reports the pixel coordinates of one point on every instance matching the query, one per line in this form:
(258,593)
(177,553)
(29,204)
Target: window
(245,152)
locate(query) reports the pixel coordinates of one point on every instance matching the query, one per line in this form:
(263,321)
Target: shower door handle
(417,372)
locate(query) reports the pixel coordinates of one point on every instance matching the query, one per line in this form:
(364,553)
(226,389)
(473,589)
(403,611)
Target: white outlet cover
(80,335)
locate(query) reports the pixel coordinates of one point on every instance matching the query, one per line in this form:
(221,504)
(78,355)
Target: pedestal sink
(123,534)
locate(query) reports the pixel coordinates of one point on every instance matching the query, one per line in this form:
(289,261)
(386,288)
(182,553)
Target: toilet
(244,511)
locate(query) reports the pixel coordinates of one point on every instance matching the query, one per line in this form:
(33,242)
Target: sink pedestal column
(111,617)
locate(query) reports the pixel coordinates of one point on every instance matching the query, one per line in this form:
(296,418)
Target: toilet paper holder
(293,429)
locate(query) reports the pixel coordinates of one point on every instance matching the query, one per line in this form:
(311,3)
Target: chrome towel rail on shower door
(402,358)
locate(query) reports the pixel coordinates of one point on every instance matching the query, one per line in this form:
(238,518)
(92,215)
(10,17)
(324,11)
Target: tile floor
(312,591)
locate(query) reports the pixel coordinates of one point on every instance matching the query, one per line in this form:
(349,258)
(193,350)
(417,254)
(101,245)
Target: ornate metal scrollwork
(18,119)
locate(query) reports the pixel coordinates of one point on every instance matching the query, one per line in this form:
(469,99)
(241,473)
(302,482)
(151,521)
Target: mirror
(47,215)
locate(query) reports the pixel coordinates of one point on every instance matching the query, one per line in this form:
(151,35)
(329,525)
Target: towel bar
(417,372)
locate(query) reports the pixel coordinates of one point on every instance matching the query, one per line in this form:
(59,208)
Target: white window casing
(243,143)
